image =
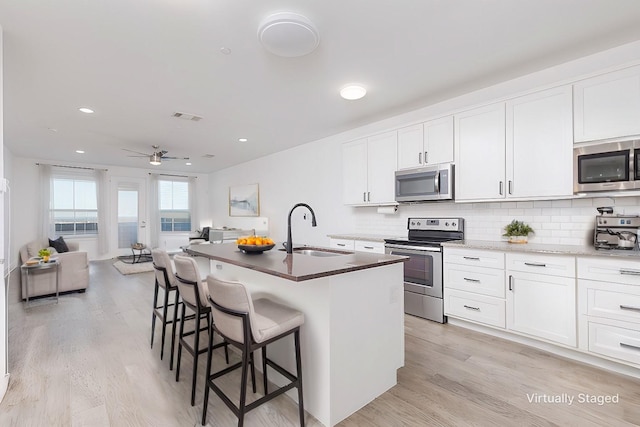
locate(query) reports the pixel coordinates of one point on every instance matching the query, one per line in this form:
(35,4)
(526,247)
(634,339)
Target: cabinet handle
(471,280)
(340,244)
(420,158)
(472,258)
(510,187)
(535,264)
(630,272)
(629,307)
(478,309)
(364,196)
(436,183)
(510,282)
(425,158)
(501,185)
(625,345)
(368,247)
(368,196)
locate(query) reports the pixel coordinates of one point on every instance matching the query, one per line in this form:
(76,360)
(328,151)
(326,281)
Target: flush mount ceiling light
(242,139)
(288,34)
(353,92)
(86,110)
(80,151)
(155,159)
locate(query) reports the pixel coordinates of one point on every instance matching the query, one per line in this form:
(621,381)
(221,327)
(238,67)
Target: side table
(27,269)
(143,253)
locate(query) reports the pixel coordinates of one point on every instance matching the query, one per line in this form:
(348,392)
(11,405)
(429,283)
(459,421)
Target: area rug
(142,267)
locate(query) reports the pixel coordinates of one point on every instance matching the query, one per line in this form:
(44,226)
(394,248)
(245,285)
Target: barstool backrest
(232,296)
(192,289)
(161,259)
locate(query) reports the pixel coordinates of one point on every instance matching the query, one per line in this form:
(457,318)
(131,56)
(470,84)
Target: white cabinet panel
(479,280)
(345,244)
(619,343)
(474,307)
(613,270)
(354,172)
(411,147)
(607,106)
(474,257)
(557,265)
(542,306)
(438,141)
(371,247)
(540,144)
(480,153)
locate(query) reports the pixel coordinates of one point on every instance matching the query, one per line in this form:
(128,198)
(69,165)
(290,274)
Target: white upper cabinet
(480,153)
(426,144)
(368,170)
(607,106)
(540,144)
(521,148)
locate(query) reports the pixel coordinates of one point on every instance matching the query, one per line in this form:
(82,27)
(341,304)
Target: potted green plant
(517,232)
(44,254)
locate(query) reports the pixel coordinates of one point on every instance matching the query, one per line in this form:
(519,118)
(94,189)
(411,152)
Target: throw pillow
(59,244)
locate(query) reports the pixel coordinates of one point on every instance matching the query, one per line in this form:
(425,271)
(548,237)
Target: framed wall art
(244,200)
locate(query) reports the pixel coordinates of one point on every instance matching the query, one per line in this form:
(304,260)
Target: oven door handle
(414,248)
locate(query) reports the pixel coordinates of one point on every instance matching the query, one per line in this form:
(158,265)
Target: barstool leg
(173,328)
(180,342)
(205,403)
(164,320)
(196,347)
(264,369)
(253,374)
(153,314)
(296,336)
(243,386)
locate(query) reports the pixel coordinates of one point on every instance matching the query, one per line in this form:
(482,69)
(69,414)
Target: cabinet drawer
(345,244)
(474,307)
(553,265)
(479,280)
(367,246)
(615,270)
(612,301)
(619,343)
(474,257)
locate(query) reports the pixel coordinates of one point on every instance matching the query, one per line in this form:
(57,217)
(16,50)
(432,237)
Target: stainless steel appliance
(616,232)
(423,286)
(428,183)
(611,166)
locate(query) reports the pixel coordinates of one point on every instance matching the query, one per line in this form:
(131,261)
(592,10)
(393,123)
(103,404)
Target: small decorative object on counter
(517,232)
(255,244)
(45,254)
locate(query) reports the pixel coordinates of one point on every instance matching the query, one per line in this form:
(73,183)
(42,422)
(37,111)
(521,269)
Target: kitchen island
(352,341)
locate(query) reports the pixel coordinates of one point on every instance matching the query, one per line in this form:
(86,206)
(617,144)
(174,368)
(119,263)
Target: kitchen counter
(576,250)
(365,237)
(352,339)
(295,267)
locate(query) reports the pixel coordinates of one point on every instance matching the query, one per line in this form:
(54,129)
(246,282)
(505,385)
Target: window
(74,204)
(174,206)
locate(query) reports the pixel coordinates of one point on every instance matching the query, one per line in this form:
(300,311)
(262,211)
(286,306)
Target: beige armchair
(74,270)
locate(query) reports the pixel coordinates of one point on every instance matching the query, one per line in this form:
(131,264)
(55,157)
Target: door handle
(632,347)
(364,196)
(629,307)
(510,283)
(510,187)
(501,190)
(535,264)
(471,308)
(630,272)
(425,157)
(471,280)
(420,158)
(472,258)
(436,183)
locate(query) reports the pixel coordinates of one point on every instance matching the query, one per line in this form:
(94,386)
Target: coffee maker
(616,232)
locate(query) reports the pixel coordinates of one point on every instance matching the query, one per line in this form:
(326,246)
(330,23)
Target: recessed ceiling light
(225,50)
(53,129)
(242,139)
(86,110)
(353,92)
(80,151)
(188,163)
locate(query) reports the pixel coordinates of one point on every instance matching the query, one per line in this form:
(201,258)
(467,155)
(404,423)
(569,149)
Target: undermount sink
(321,252)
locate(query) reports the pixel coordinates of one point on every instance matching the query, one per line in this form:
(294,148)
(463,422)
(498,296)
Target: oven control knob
(418,223)
(413,223)
(453,224)
(604,221)
(446,224)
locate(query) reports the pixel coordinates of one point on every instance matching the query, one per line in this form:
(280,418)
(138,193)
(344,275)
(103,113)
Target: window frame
(172,216)
(56,226)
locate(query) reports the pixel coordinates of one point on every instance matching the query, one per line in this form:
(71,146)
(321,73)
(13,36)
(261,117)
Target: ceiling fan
(157,156)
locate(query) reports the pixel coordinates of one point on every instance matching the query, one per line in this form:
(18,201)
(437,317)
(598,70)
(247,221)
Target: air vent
(209,156)
(186,116)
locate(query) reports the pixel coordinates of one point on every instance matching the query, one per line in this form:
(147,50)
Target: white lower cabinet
(475,307)
(374,247)
(346,244)
(609,308)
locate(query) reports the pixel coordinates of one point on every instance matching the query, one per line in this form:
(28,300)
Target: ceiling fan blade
(174,158)
(137,152)
(139,156)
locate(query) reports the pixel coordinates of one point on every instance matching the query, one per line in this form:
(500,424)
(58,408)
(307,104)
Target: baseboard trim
(4,385)
(568,353)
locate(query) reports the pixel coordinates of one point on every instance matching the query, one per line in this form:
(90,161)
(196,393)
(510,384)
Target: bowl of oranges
(255,244)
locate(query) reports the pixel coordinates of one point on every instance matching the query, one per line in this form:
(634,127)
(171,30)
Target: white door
(410,147)
(130,214)
(382,151)
(354,172)
(438,141)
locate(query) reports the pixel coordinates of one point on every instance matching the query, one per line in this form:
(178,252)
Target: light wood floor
(86,362)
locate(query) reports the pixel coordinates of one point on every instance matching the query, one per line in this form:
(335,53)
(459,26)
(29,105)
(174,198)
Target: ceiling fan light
(155,159)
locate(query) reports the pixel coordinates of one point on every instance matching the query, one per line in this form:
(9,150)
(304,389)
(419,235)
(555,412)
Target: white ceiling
(136,62)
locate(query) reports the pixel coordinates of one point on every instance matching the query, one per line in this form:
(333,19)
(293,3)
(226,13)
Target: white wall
(312,173)
(4,372)
(24,209)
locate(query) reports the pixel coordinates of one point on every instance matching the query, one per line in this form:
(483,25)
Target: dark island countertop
(296,267)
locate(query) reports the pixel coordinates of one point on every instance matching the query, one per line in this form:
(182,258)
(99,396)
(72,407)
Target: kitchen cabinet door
(410,147)
(480,153)
(438,141)
(542,306)
(354,172)
(540,144)
(607,106)
(381,168)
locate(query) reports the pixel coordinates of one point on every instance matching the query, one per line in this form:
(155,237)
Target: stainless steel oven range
(423,271)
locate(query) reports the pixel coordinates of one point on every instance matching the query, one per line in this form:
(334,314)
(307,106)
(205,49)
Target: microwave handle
(436,182)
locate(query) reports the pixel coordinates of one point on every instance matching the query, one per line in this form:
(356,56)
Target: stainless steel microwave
(611,166)
(423,184)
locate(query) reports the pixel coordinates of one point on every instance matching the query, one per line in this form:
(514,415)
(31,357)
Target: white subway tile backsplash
(561,203)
